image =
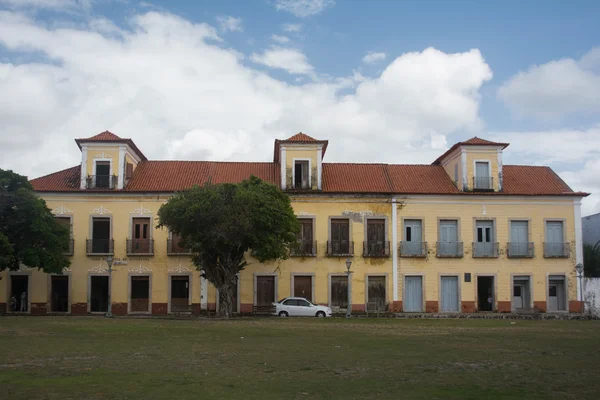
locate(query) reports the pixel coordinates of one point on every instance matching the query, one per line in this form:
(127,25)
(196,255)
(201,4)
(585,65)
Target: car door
(304,308)
(291,306)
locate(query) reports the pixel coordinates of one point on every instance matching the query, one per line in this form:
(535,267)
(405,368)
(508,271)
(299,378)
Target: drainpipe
(394,249)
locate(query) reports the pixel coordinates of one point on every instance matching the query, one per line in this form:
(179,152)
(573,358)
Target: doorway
(101,243)
(449,293)
(557,300)
(413,294)
(180,293)
(521,293)
(140,294)
(265,290)
(303,287)
(99,286)
(376,296)
(485,293)
(19,293)
(59,293)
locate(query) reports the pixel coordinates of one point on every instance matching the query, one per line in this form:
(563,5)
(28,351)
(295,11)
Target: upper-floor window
(375,244)
(483,178)
(101,241)
(305,245)
(412,244)
(555,244)
(485,239)
(340,243)
(519,245)
(66,222)
(301,174)
(140,242)
(175,245)
(102,177)
(449,245)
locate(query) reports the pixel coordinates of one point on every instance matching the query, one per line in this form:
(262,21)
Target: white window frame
(309,171)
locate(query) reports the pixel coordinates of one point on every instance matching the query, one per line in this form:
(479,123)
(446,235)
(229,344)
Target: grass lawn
(95,358)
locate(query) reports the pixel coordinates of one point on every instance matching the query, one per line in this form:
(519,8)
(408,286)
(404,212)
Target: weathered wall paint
(592,295)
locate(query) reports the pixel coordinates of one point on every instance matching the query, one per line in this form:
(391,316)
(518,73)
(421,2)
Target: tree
(591,260)
(220,223)
(29,233)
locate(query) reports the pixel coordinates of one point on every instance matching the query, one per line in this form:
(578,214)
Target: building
(463,234)
(591,229)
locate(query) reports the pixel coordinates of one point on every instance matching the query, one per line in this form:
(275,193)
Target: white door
(556,294)
(518,295)
(413,236)
(449,293)
(482,175)
(448,238)
(484,245)
(519,238)
(554,238)
(413,296)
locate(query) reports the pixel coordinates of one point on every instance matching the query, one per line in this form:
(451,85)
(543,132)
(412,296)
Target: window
(519,245)
(448,245)
(339,291)
(140,242)
(555,245)
(66,222)
(305,246)
(101,242)
(375,243)
(102,174)
(484,245)
(413,245)
(482,179)
(340,243)
(301,175)
(175,245)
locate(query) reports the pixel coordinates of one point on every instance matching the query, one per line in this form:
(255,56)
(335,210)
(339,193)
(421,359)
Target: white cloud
(303,8)
(166,83)
(228,23)
(291,60)
(555,89)
(372,57)
(280,38)
(293,28)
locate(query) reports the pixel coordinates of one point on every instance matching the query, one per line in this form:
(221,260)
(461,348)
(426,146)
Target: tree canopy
(29,233)
(221,222)
(591,260)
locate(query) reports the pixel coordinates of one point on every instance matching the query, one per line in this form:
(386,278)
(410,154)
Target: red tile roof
(171,176)
(474,141)
(110,137)
(298,138)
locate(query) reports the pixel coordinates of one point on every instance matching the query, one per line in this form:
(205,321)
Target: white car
(300,307)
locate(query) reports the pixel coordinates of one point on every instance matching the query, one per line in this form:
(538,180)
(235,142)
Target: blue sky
(385,81)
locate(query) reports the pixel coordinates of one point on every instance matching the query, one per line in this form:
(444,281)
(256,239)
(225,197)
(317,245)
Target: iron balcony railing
(140,247)
(557,250)
(485,249)
(340,248)
(483,183)
(376,248)
(100,246)
(304,248)
(413,249)
(519,250)
(449,249)
(175,249)
(70,248)
(102,182)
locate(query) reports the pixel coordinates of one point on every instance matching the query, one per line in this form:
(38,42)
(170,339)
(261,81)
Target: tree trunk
(226,300)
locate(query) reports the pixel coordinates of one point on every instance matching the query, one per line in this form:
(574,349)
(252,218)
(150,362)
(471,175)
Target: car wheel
(283,314)
(320,314)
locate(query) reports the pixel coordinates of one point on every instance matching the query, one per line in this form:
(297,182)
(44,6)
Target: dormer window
(483,178)
(301,174)
(102,178)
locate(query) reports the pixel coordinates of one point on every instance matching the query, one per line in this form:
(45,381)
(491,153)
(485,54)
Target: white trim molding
(83,172)
(309,171)
(121,168)
(101,211)
(320,168)
(463,162)
(61,210)
(500,175)
(282,160)
(395,248)
(179,269)
(578,242)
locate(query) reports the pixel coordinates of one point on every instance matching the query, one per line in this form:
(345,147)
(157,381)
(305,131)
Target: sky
(383,81)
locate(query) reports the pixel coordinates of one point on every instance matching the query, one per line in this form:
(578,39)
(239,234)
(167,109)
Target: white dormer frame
(303,146)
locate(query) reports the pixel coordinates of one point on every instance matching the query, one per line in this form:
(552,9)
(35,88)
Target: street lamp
(348,272)
(579,269)
(109,262)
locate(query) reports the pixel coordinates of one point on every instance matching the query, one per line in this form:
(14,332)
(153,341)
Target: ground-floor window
(59,293)
(140,294)
(339,291)
(376,293)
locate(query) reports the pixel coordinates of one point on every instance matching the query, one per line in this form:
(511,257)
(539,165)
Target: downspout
(394,249)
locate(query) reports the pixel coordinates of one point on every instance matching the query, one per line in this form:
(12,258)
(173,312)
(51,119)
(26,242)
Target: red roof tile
(171,176)
(301,137)
(474,141)
(298,138)
(105,136)
(110,137)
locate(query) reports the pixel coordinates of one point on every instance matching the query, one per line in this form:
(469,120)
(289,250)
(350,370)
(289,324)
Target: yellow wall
(130,160)
(501,211)
(449,164)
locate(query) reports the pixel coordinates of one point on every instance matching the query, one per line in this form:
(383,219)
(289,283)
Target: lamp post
(109,262)
(348,272)
(579,269)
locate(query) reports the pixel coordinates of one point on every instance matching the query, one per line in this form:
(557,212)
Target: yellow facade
(121,209)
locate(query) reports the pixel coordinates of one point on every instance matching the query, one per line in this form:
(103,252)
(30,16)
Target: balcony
(483,183)
(485,249)
(413,249)
(70,248)
(376,248)
(102,182)
(340,248)
(95,247)
(140,247)
(174,248)
(304,248)
(449,249)
(519,250)
(557,250)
